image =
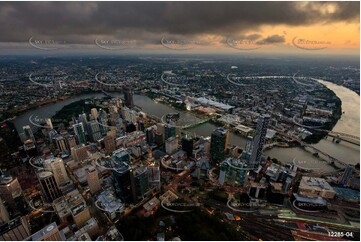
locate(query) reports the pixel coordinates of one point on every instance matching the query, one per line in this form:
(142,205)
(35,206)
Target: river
(349,123)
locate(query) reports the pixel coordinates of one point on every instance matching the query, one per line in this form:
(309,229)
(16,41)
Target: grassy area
(73,110)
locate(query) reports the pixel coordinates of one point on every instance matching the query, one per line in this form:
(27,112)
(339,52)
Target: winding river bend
(349,123)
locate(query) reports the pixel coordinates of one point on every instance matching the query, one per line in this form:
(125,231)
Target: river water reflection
(349,123)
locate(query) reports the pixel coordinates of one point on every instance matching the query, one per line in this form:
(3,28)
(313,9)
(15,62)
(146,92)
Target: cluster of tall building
(252,153)
(132,181)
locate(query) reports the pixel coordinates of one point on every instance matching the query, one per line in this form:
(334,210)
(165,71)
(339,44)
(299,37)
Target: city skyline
(171,121)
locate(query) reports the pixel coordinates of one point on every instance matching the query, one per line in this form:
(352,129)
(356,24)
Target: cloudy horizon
(190,26)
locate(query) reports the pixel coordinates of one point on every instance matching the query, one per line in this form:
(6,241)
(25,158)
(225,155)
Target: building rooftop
(206,101)
(5,179)
(314,183)
(109,202)
(47,229)
(44,174)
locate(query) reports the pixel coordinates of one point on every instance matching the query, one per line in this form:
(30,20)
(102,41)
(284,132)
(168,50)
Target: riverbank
(14,113)
(285,155)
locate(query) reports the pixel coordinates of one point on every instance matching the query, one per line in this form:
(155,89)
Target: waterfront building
(313,187)
(219,141)
(128,97)
(28,134)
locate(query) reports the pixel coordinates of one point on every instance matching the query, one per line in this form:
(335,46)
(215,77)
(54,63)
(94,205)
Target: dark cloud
(274,39)
(82,22)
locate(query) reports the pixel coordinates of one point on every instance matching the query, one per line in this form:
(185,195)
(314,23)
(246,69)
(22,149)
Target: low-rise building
(314,187)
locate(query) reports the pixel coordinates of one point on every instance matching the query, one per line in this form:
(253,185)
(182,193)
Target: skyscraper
(28,133)
(10,135)
(94,131)
(121,173)
(60,143)
(80,133)
(79,152)
(103,120)
(93,180)
(4,149)
(125,112)
(259,140)
(15,230)
(128,97)
(154,176)
(11,193)
(187,145)
(71,141)
(246,154)
(169,131)
(109,143)
(4,214)
(219,142)
(49,187)
(94,113)
(171,145)
(150,134)
(133,116)
(49,124)
(83,118)
(56,165)
(140,183)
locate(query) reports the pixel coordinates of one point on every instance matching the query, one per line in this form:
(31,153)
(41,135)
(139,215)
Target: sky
(187,27)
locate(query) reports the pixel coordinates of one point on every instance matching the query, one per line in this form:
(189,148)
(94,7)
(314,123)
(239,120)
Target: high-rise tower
(259,140)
